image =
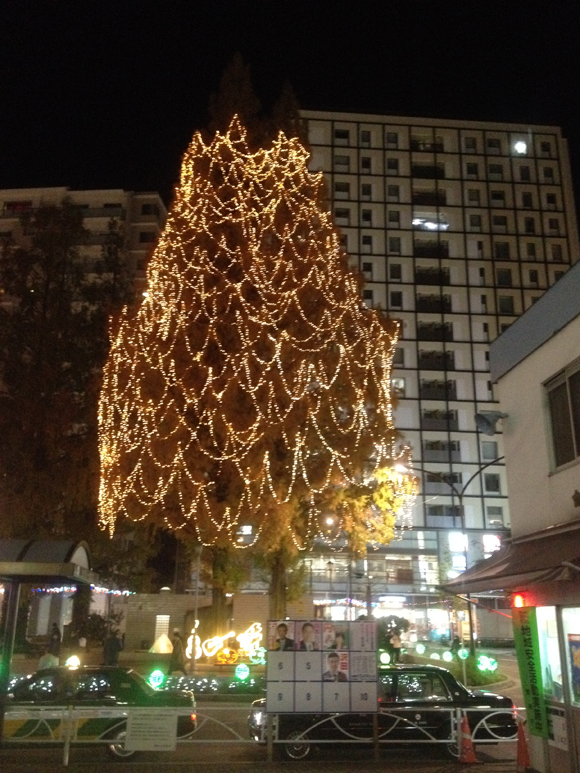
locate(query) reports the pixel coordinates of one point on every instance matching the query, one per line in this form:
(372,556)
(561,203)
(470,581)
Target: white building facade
(457,228)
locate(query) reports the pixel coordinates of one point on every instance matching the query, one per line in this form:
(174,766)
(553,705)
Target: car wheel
(452,751)
(117,749)
(296,749)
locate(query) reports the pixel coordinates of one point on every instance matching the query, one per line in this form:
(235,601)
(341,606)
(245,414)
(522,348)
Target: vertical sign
(316,666)
(574,650)
(528,652)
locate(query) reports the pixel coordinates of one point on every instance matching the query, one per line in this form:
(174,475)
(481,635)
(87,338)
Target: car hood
(491,698)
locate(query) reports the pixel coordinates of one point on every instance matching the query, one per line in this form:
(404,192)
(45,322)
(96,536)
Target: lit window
(398,386)
(457,542)
(521,147)
(488,450)
(491,543)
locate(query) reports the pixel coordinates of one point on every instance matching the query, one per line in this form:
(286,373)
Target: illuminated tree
(252,385)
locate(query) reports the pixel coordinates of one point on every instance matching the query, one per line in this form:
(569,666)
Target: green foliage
(53,341)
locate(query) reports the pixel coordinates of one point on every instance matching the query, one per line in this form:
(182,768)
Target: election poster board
(319,666)
(528,653)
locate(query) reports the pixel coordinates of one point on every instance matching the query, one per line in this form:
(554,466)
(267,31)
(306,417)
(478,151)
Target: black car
(430,693)
(37,705)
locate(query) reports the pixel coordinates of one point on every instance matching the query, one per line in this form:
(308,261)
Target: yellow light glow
(252,377)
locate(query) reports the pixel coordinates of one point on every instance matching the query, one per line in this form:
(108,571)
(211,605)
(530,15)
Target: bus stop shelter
(39,562)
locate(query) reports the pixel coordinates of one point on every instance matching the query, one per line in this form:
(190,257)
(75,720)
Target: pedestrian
(177,662)
(48,660)
(455,645)
(396,645)
(54,640)
(111,648)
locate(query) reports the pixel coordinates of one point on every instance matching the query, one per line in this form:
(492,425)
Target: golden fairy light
(251,380)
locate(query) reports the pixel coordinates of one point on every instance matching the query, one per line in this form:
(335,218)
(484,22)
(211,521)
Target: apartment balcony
(438,390)
(108,212)
(441,487)
(430,249)
(436,360)
(428,171)
(440,421)
(437,304)
(434,332)
(430,198)
(424,146)
(443,454)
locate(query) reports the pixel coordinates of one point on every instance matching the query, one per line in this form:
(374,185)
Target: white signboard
(320,666)
(153,730)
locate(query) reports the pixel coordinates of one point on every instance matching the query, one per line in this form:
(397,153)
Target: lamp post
(197,550)
(459,494)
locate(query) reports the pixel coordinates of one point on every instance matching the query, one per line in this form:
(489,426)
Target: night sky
(107,93)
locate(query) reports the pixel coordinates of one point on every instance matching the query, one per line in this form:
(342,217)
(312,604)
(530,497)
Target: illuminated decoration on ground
(463,653)
(156,678)
(251,380)
(384,658)
(435,656)
(447,656)
(73,662)
(485,663)
(250,642)
(420,649)
(73,589)
(242,672)
(258,657)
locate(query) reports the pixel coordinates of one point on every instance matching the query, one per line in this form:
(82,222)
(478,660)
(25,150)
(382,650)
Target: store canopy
(543,556)
(45,560)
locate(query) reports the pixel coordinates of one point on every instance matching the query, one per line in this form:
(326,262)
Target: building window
(392,166)
(396,299)
(501,250)
(497,198)
(365,165)
(393,193)
(16,207)
(548,174)
(534,277)
(499,223)
(398,386)
(343,241)
(546,149)
(342,163)
(367,243)
(554,225)
(525,176)
(366,192)
(491,483)
(367,217)
(342,190)
(494,517)
(504,277)
(493,145)
(505,304)
(564,409)
(470,144)
(558,275)
(527,201)
(392,140)
(147,237)
(150,209)
(551,201)
(529,225)
(489,450)
(368,297)
(394,218)
(472,171)
(473,197)
(557,253)
(367,269)
(530,251)
(495,171)
(503,327)
(341,137)
(475,223)
(342,216)
(395,272)
(399,358)
(394,245)
(365,138)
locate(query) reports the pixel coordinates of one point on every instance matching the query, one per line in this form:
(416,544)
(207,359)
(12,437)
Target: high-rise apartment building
(457,228)
(141,216)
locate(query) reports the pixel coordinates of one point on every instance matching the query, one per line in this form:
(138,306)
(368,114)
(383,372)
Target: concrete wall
(141,611)
(538,496)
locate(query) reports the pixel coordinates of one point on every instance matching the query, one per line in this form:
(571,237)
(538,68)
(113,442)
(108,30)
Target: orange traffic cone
(466,750)
(523,758)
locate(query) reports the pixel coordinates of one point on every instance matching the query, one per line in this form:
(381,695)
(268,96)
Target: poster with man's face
(281,635)
(308,634)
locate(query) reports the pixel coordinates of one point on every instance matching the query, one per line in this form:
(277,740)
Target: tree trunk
(219,572)
(278,586)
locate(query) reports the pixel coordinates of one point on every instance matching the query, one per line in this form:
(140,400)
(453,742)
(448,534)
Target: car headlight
(258,717)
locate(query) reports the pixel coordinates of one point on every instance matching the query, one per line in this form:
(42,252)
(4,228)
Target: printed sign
(316,666)
(152,730)
(574,650)
(528,652)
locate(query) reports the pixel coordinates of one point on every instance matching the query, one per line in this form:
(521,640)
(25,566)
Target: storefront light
(457,542)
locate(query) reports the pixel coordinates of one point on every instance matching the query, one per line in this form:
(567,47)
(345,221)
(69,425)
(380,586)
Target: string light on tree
(252,381)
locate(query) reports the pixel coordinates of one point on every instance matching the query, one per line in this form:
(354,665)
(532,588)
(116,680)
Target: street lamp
(459,494)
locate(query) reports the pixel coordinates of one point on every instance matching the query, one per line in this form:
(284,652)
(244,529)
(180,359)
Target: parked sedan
(416,703)
(37,705)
